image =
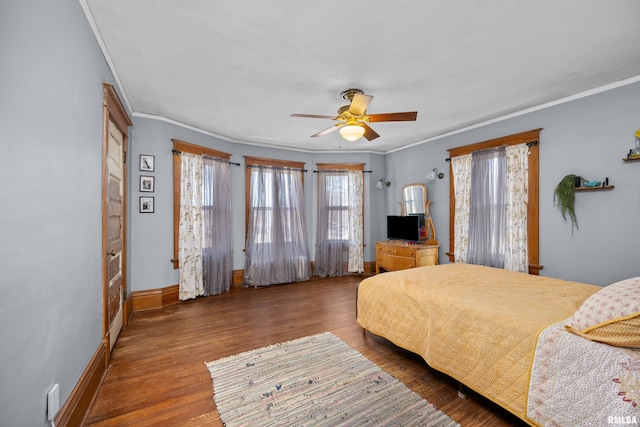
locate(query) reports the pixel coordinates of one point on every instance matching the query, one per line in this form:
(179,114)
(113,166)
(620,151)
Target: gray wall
(588,137)
(151,235)
(50,203)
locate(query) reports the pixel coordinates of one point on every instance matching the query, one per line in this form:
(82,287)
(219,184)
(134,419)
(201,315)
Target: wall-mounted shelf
(631,159)
(598,188)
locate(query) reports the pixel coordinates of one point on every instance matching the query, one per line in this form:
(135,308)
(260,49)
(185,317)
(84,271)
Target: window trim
(185,147)
(533,204)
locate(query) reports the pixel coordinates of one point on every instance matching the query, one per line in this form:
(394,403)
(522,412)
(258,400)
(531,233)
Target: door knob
(112,253)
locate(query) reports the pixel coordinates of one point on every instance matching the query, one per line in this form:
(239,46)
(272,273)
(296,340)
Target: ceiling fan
(355,119)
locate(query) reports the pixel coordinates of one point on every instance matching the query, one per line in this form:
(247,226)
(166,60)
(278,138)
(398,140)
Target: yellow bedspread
(477,324)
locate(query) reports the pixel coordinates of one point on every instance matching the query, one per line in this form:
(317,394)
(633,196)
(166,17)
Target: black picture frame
(147,162)
(147,204)
(147,183)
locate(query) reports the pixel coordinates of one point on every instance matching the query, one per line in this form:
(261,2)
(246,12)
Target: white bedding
(578,382)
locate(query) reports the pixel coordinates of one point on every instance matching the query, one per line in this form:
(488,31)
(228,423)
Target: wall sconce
(381,183)
(432,175)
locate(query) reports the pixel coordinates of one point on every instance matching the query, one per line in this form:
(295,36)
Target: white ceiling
(238,69)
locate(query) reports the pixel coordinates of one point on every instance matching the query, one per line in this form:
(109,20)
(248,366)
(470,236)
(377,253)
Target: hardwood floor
(158,374)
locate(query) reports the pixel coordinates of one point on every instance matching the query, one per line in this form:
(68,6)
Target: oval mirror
(414,199)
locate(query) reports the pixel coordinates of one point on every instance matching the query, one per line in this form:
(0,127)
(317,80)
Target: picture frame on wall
(146,204)
(147,183)
(147,162)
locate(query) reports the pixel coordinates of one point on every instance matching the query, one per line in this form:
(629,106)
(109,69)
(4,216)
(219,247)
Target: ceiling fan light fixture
(355,119)
(352,132)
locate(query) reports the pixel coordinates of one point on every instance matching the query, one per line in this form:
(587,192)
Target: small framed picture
(146,204)
(147,162)
(147,183)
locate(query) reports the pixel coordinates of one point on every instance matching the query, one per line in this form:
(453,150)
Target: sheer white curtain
(487,213)
(461,170)
(217,254)
(339,240)
(277,250)
(190,227)
(356,226)
(332,233)
(516,248)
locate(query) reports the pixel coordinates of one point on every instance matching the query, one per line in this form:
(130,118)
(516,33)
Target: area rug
(314,381)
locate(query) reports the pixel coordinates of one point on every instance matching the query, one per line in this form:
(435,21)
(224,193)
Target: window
(276,243)
(530,138)
(339,235)
(337,205)
(185,147)
(263,191)
(488,210)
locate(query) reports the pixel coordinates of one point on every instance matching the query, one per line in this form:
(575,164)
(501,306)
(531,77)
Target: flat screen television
(403,227)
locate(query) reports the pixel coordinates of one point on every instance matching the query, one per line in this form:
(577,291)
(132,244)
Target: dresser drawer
(397,255)
(392,263)
(398,263)
(406,251)
(428,256)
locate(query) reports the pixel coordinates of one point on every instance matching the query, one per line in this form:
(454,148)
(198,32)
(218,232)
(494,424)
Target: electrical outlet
(53,401)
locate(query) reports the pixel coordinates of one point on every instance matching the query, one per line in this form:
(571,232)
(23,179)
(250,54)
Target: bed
(544,349)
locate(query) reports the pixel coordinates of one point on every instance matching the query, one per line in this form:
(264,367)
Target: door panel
(115,136)
(115,198)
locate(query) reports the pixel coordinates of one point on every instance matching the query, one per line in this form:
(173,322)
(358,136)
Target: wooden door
(115,232)
(114,191)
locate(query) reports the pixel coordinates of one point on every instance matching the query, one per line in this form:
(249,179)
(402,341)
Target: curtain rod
(276,167)
(337,170)
(529,144)
(217,158)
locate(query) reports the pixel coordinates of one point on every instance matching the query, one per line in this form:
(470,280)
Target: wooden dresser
(399,255)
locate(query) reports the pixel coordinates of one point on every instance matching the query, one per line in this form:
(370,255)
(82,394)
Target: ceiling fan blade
(369,133)
(359,104)
(314,116)
(408,116)
(329,130)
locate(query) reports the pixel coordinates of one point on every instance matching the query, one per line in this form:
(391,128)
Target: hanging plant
(564,197)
